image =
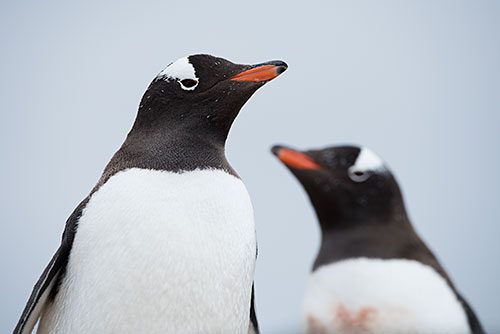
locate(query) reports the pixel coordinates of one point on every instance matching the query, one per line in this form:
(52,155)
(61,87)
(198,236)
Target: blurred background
(416,81)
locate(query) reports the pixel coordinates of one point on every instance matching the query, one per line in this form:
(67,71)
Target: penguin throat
(334,216)
(174,151)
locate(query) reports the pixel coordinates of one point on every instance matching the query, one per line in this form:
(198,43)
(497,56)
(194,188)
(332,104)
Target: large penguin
(373,273)
(165,242)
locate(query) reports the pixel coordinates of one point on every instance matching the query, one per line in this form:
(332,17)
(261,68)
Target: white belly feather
(381,296)
(160,252)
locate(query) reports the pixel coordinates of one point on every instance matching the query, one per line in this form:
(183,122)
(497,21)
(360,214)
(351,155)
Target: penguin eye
(188,84)
(357,175)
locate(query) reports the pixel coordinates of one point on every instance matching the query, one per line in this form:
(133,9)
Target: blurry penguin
(373,273)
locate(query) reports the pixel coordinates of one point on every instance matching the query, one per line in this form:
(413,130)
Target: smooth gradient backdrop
(416,81)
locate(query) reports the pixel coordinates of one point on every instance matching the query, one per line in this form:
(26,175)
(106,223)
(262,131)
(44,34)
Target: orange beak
(295,159)
(259,73)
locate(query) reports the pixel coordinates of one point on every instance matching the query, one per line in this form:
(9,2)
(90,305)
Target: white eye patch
(181,71)
(366,161)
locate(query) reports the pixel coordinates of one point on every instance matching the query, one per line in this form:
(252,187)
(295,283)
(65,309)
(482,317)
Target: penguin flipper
(254,325)
(40,294)
(432,261)
(474,324)
(46,286)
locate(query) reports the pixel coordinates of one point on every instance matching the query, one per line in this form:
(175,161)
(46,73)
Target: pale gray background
(417,81)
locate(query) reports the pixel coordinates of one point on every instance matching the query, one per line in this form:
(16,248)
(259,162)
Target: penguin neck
(336,217)
(171,146)
(178,148)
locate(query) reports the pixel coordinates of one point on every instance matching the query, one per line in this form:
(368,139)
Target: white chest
(160,252)
(381,296)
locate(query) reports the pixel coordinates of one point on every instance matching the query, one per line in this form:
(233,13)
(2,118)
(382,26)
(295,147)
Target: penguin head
(202,93)
(346,184)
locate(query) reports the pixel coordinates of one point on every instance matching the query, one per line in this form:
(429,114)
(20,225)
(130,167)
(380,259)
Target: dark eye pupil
(188,83)
(358,173)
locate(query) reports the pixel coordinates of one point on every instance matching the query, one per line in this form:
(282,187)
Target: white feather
(179,70)
(367,160)
(160,252)
(39,306)
(381,296)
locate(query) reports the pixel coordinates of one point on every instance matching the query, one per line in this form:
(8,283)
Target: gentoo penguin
(373,273)
(165,242)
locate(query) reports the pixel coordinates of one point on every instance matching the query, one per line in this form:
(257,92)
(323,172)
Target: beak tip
(281,69)
(280,66)
(276,150)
